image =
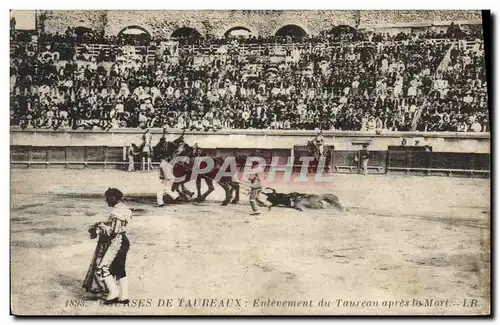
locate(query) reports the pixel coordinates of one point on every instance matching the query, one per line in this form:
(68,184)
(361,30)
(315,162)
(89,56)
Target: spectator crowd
(347,81)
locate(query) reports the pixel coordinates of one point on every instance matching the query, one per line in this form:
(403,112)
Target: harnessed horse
(185,168)
(166,151)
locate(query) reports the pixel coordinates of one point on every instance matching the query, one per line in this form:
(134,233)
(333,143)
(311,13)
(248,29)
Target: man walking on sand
(255,189)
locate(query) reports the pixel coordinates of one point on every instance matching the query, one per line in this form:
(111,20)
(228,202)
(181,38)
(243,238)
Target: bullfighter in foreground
(107,270)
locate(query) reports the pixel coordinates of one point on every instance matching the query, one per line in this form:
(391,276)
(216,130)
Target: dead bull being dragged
(298,201)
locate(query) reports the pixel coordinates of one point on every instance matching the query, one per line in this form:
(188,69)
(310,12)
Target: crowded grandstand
(341,79)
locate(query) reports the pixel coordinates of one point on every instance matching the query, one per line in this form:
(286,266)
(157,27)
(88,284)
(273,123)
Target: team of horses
(168,150)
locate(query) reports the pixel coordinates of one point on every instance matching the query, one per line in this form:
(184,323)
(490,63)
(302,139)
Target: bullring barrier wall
(451,153)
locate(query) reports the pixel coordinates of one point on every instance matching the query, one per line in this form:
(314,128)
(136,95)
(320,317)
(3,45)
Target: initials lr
(470,303)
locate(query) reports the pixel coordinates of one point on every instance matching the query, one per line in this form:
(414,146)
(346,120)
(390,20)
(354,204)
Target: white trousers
(364,164)
(321,150)
(165,186)
(131,163)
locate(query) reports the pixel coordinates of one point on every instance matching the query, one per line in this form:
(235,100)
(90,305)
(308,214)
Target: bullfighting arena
(404,238)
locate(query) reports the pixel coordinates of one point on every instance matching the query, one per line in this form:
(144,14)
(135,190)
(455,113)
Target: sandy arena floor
(404,239)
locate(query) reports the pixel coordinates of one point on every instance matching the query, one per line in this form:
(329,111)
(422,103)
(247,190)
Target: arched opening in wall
(84,34)
(185,32)
(343,33)
(292,31)
(238,32)
(134,35)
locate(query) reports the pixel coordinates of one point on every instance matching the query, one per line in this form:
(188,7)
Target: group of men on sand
(145,151)
(106,276)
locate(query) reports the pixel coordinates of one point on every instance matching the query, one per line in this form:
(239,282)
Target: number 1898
(76,303)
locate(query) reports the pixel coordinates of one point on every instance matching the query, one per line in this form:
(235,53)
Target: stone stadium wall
(259,22)
(452,153)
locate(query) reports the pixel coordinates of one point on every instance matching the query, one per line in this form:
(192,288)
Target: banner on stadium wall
(23,19)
